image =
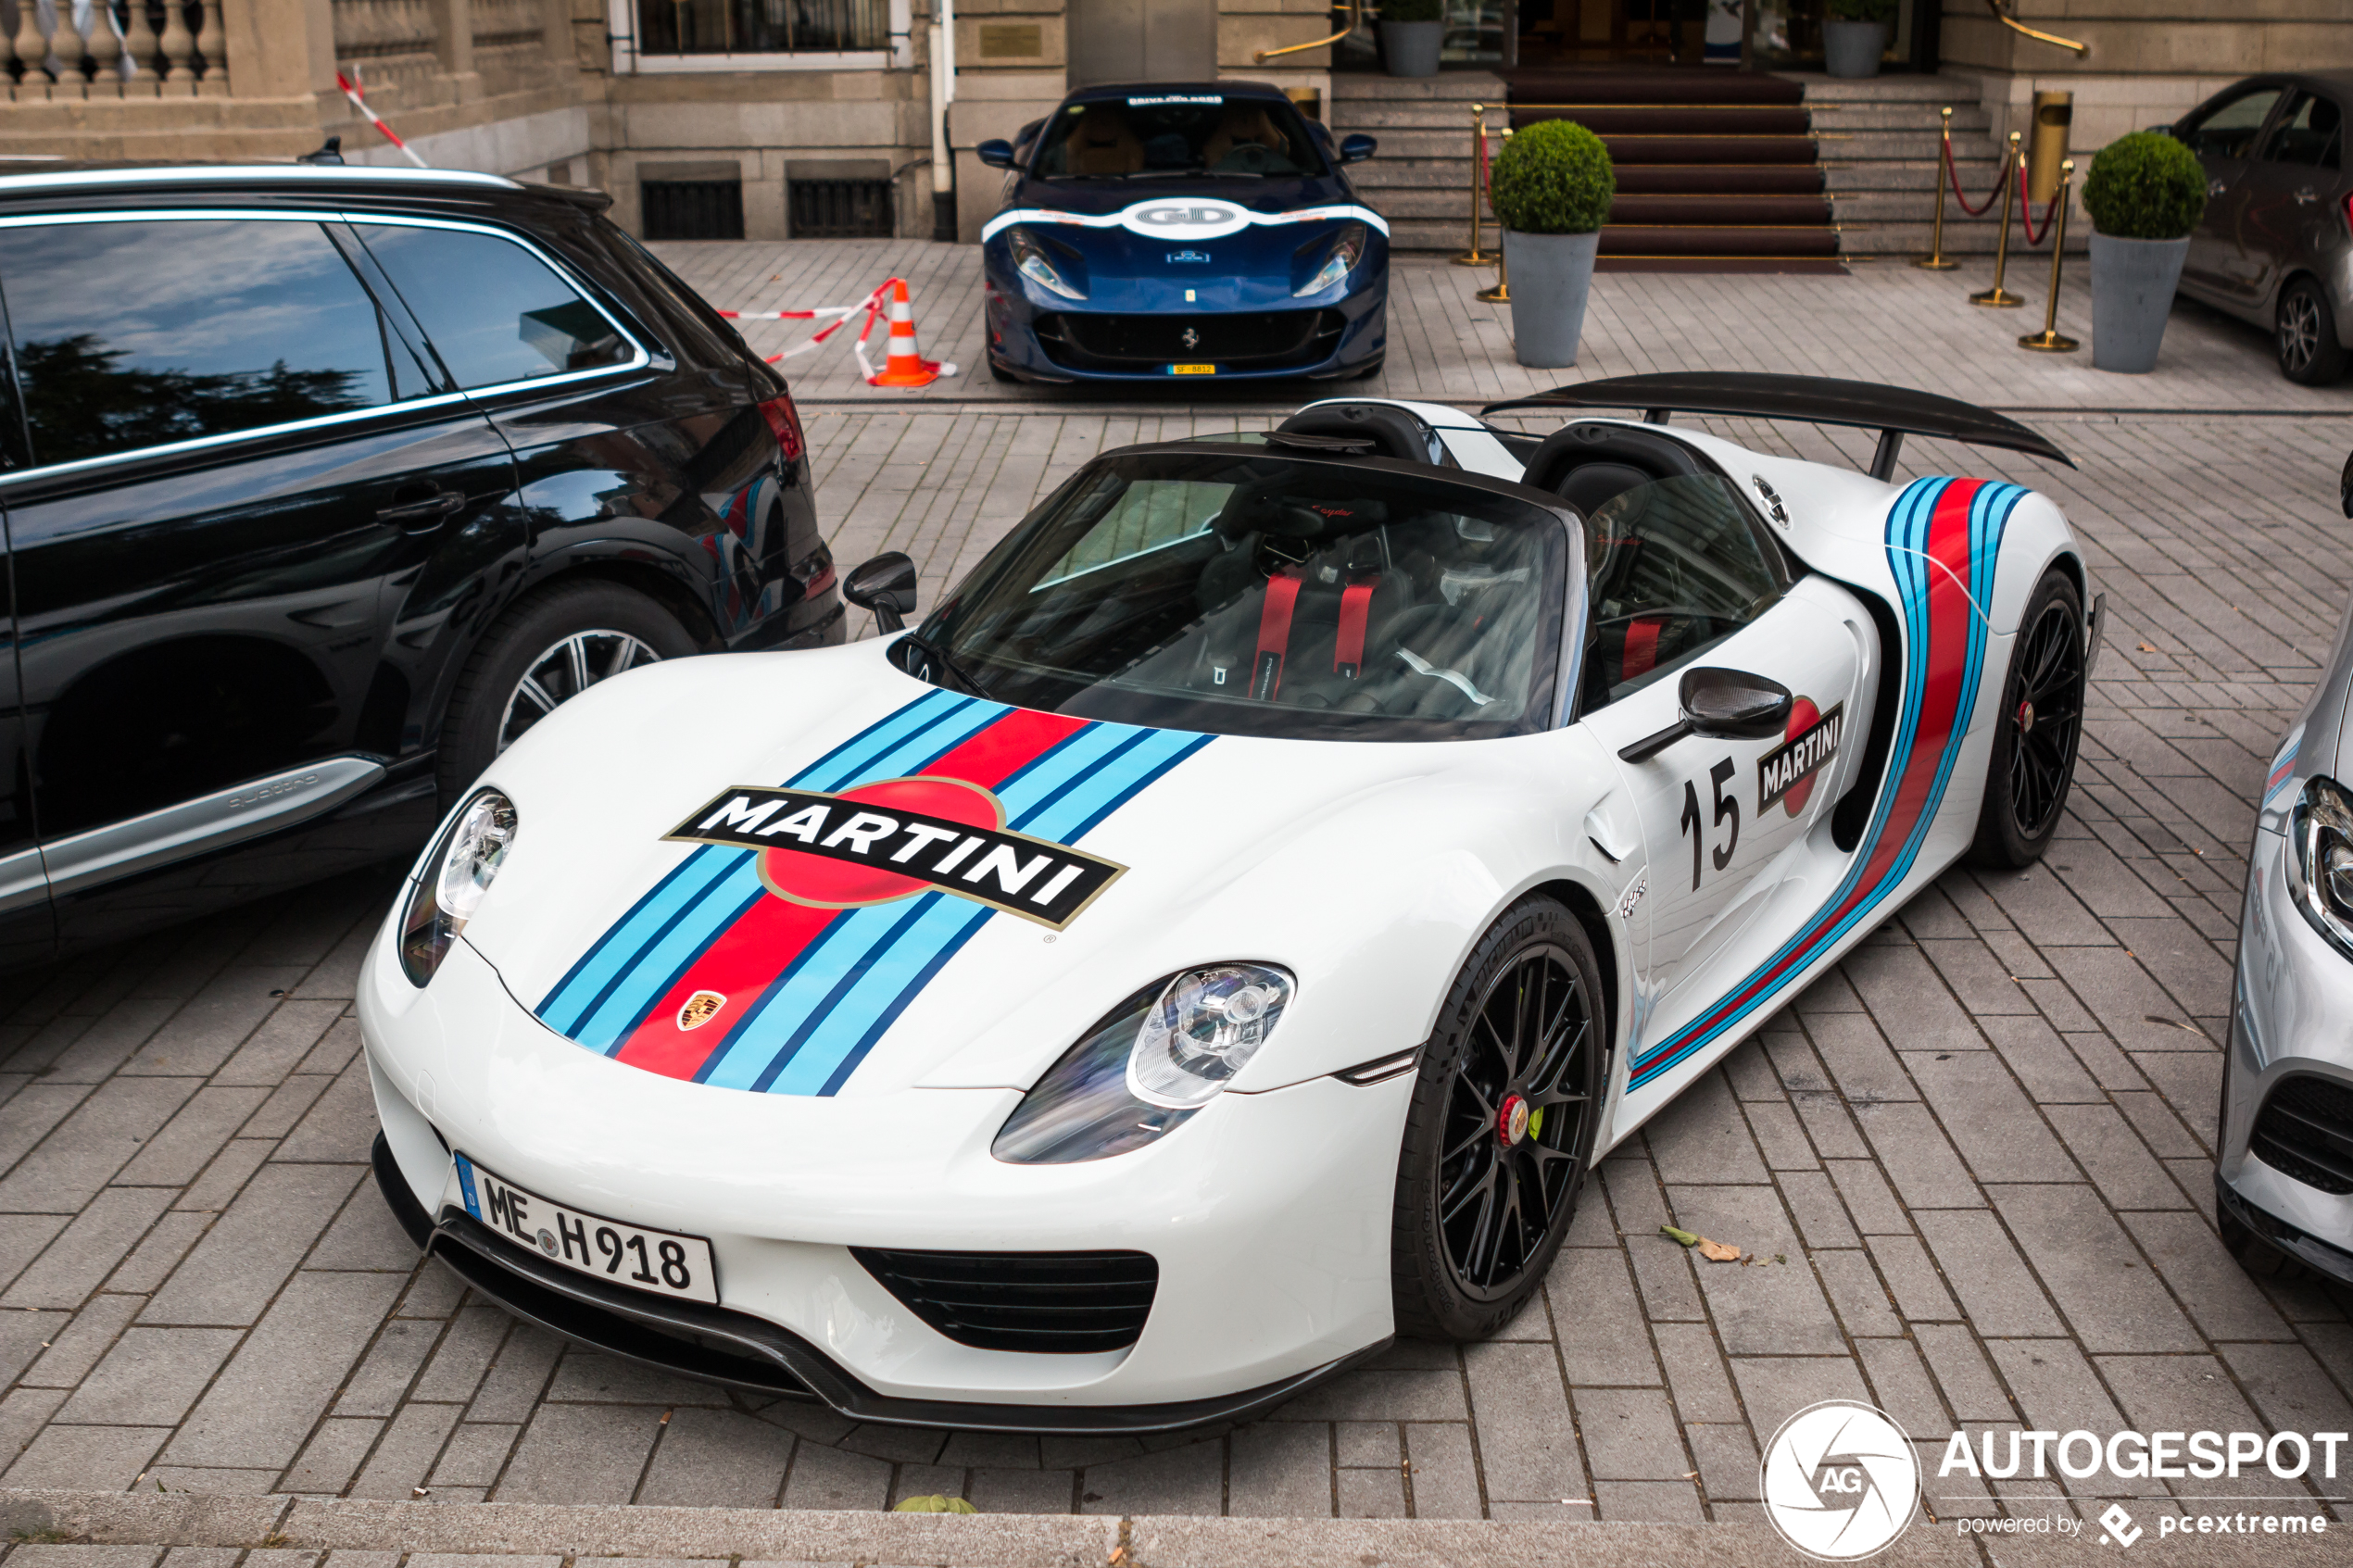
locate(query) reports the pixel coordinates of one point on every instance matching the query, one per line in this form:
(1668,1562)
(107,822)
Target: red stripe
(1641,646)
(1355,610)
(763,943)
(1947,657)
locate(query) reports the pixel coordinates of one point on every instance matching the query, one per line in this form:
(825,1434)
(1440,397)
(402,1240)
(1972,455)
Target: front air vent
(1049,1303)
(2306,1131)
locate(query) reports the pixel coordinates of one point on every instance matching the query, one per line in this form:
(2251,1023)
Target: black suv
(322,484)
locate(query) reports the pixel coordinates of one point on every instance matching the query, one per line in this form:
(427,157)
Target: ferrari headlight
(1029,260)
(1346,251)
(1153,1060)
(452,880)
(2320,860)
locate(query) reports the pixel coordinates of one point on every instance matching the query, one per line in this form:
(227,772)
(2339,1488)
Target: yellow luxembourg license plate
(1193,369)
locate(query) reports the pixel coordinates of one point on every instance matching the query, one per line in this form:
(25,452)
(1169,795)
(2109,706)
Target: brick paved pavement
(1977,1154)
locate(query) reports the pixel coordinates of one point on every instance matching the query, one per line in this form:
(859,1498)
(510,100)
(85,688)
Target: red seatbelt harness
(1274,634)
(1355,610)
(1641,645)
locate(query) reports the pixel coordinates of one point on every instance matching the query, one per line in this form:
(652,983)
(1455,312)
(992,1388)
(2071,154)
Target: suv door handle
(420,515)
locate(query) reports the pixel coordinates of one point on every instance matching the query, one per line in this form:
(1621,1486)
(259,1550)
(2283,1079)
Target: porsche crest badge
(701,1008)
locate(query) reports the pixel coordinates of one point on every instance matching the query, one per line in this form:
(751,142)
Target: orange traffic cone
(906,365)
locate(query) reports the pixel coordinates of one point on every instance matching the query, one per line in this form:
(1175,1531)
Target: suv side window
(495,313)
(1674,566)
(138,332)
(2228,128)
(2310,134)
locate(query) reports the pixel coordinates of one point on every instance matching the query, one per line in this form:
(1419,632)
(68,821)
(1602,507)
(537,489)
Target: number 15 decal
(1726,806)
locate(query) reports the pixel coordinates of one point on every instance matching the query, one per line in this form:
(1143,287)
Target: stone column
(278,49)
(453,26)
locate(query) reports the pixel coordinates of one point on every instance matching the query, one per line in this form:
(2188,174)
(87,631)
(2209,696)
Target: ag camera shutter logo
(1840,1480)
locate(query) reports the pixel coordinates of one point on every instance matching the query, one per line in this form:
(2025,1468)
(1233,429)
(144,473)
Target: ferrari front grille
(2306,1131)
(1050,1303)
(1089,340)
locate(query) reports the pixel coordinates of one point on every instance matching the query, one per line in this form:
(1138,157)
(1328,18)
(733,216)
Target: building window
(762,27)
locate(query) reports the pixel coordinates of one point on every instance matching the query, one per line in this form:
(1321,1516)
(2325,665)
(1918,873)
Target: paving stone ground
(1977,1156)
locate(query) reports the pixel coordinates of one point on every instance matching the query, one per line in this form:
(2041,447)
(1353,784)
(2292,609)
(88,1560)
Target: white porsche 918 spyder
(1225,933)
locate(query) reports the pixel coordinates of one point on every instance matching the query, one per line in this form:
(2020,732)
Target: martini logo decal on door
(1786,773)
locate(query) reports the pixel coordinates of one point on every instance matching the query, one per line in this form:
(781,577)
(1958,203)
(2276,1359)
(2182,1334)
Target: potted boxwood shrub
(1855,35)
(1411,34)
(2145,193)
(1551,186)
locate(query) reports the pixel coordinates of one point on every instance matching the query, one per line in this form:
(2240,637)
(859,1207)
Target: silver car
(2276,246)
(2284,1178)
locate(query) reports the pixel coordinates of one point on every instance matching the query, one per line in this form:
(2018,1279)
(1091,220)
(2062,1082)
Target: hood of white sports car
(812,874)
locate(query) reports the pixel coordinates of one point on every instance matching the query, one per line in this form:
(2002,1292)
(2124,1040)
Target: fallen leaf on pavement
(1685,1238)
(2146,648)
(1717,1252)
(935,1505)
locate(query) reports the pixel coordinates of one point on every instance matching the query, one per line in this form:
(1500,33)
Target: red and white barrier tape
(873,305)
(360,103)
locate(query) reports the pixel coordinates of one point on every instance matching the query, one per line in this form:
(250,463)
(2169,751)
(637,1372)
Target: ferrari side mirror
(997,153)
(1724,704)
(885,585)
(1357,149)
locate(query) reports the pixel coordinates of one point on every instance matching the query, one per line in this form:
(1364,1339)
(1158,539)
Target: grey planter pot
(2131,296)
(1411,48)
(1852,48)
(1550,275)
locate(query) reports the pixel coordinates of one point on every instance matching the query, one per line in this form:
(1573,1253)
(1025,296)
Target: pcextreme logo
(1839,1481)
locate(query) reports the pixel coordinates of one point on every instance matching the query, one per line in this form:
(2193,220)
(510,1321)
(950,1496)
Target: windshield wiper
(940,655)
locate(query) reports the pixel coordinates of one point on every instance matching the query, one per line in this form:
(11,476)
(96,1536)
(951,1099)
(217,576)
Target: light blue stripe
(1050,801)
(948,731)
(653,965)
(620,946)
(919,714)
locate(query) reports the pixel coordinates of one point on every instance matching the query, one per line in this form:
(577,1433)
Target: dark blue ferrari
(1182,229)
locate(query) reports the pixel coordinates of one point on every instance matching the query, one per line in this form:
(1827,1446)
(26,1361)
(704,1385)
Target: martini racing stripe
(822,1011)
(591,981)
(1943,545)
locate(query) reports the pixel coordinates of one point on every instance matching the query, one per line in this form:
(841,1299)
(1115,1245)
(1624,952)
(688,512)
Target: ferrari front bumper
(1269,1216)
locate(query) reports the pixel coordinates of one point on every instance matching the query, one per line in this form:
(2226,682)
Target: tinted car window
(133,334)
(2310,134)
(1675,566)
(495,312)
(1151,136)
(2228,130)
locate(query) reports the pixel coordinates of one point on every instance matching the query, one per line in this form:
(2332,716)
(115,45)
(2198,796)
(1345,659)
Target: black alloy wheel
(2039,729)
(2305,331)
(1501,1132)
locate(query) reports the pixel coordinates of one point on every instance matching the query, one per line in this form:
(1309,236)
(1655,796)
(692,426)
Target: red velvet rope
(2026,210)
(1981,209)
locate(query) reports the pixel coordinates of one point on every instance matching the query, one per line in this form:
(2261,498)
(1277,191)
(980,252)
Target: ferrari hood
(786,872)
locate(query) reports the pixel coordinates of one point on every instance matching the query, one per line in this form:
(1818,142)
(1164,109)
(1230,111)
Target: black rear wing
(1894,411)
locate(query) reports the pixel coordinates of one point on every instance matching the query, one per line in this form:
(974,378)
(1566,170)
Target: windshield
(1249,593)
(1147,138)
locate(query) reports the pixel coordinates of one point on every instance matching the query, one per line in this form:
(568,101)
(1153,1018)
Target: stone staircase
(1421,178)
(1879,153)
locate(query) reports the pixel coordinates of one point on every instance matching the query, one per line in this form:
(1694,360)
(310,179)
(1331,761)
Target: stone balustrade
(113,49)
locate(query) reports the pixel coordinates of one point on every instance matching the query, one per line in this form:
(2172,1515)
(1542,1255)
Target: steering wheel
(1248,158)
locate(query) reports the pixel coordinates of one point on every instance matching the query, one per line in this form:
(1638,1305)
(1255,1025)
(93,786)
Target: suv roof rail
(243,174)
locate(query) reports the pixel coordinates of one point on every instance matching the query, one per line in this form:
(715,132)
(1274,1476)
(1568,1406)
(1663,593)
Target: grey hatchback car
(2276,246)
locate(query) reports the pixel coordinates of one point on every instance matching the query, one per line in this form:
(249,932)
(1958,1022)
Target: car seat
(1242,125)
(1103,144)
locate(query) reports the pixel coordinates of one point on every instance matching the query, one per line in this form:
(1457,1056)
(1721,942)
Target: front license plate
(1193,369)
(661,1261)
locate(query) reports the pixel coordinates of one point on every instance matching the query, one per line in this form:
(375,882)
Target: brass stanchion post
(1997,296)
(1475,256)
(1936,260)
(1502,293)
(2048,340)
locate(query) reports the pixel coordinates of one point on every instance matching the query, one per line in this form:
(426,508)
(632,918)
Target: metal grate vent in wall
(840,209)
(694,210)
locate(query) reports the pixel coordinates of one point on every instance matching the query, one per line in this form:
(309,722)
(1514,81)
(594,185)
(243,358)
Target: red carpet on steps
(1716,167)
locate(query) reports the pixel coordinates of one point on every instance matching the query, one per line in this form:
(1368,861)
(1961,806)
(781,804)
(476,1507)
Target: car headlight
(1157,1058)
(1029,260)
(2320,860)
(1348,250)
(452,880)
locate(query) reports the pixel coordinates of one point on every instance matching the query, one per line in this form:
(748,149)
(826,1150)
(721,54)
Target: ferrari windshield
(1248,592)
(1172,136)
